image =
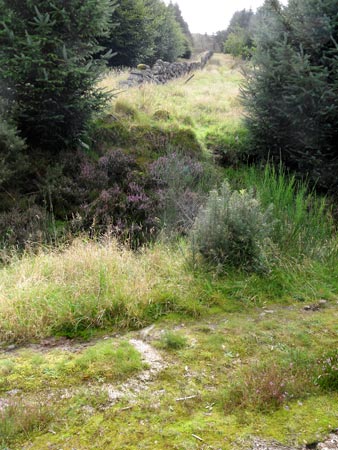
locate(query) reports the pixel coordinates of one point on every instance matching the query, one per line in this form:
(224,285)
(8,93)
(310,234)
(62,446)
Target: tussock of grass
(172,341)
(269,385)
(92,286)
(23,417)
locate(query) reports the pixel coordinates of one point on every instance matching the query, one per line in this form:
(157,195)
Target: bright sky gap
(210,16)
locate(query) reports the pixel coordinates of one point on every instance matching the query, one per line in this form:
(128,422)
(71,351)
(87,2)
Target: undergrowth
(303,221)
(93,285)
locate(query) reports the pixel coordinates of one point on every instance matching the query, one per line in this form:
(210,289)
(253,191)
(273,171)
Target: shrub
(239,43)
(116,199)
(181,183)
(23,228)
(267,386)
(232,229)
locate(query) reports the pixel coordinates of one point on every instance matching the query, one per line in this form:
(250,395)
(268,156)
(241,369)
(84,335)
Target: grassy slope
(242,332)
(208,109)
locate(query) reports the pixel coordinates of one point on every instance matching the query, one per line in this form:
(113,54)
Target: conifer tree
(185,30)
(46,61)
(133,40)
(292,94)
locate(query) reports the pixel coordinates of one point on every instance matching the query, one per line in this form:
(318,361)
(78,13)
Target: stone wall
(162,71)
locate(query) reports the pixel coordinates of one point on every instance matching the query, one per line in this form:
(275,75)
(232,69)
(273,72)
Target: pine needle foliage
(291,95)
(46,60)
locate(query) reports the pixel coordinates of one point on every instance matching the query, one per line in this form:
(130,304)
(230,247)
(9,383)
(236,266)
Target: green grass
(304,225)
(32,370)
(233,370)
(91,286)
(21,418)
(180,115)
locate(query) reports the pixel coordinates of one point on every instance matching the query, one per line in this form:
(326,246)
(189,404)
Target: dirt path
(141,381)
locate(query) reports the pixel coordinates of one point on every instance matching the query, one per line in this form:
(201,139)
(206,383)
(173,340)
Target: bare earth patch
(331,443)
(141,381)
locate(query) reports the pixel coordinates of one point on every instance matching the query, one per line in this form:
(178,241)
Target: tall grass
(304,224)
(92,285)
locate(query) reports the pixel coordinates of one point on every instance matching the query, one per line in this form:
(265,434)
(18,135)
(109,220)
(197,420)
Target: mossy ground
(218,350)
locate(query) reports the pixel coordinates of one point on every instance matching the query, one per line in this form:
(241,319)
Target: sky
(209,16)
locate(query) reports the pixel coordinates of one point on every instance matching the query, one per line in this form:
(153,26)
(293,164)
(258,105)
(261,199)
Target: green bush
(232,229)
(291,95)
(239,43)
(182,184)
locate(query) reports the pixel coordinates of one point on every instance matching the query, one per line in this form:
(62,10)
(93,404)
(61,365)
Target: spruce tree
(185,30)
(46,61)
(133,40)
(292,93)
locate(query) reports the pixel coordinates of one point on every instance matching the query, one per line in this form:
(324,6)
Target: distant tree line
(238,38)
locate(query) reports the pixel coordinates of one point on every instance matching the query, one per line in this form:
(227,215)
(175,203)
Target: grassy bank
(211,112)
(91,286)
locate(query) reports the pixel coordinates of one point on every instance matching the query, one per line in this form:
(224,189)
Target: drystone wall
(162,71)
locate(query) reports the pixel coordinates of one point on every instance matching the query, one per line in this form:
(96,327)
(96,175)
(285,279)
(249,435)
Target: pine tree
(171,41)
(239,35)
(185,30)
(169,38)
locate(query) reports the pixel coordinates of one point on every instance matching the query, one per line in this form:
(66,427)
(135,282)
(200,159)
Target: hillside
(109,348)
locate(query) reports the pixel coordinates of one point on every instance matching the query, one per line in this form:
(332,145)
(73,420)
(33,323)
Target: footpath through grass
(226,378)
